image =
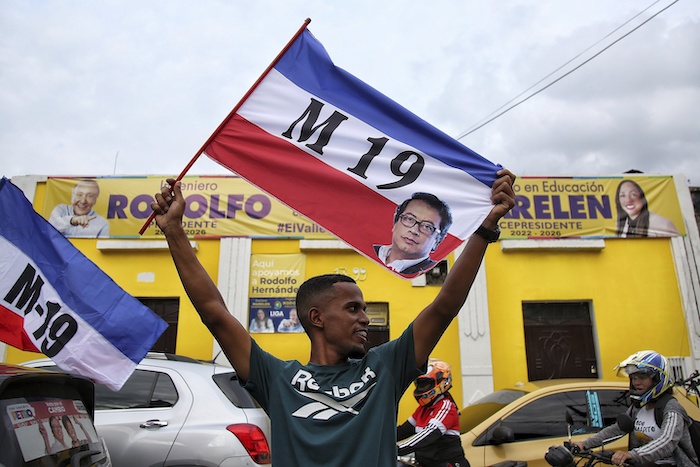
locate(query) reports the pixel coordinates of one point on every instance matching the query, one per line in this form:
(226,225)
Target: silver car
(179,411)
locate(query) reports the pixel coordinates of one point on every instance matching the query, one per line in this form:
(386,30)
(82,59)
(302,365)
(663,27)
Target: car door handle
(154,423)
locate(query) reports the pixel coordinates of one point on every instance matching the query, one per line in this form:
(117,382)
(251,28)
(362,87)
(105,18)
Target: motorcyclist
(649,443)
(432,432)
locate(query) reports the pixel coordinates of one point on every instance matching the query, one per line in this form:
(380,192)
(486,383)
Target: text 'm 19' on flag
(54,300)
(346,156)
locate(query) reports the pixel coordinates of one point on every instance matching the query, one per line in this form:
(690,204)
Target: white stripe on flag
(458,189)
(87,353)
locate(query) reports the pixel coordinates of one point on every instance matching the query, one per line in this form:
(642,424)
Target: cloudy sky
(135,87)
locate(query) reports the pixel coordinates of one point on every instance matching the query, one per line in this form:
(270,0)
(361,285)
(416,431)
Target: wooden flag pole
(232,113)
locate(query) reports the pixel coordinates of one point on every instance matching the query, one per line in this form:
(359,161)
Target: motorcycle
(569,455)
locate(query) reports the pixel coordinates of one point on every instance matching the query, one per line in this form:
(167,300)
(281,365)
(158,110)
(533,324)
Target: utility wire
(474,128)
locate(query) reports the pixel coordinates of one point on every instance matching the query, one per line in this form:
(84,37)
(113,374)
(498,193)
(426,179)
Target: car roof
(532,386)
(173,357)
(156,356)
(163,360)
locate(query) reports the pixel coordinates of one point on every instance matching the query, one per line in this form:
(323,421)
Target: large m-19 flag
(55,300)
(346,156)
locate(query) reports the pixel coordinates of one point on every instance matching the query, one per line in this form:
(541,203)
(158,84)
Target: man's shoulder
(259,352)
(407,334)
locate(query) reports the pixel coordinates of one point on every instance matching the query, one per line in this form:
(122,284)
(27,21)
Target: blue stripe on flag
(120,318)
(308,65)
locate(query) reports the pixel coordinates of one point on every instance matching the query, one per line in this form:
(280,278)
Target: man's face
(56,427)
(412,242)
(84,198)
(345,321)
(70,429)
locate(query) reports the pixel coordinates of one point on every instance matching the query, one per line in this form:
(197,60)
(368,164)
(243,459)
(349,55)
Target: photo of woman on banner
(633,216)
(261,322)
(420,224)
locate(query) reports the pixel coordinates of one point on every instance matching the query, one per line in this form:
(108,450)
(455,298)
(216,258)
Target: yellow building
(540,307)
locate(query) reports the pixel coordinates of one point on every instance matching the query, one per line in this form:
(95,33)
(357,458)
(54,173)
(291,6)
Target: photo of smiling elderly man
(79,219)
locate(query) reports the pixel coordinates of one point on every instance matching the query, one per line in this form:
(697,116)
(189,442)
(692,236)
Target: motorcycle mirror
(569,422)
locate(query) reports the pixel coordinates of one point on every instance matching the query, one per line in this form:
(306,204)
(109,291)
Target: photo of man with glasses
(420,224)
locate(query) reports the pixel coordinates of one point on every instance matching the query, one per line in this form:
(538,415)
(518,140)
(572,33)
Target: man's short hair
(435,203)
(310,290)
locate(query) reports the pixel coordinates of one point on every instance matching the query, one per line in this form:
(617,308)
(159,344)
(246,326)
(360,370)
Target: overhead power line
(498,112)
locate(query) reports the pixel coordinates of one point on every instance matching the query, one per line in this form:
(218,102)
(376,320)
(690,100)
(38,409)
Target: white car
(179,411)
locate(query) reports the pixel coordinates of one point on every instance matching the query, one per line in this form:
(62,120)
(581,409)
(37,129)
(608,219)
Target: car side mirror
(502,434)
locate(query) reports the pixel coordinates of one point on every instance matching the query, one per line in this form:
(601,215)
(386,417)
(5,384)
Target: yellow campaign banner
(117,207)
(598,207)
(274,282)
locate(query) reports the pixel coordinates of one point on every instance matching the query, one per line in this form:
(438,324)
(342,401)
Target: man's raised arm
(233,338)
(432,322)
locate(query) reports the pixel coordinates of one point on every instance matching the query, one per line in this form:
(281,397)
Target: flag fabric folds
(54,300)
(344,155)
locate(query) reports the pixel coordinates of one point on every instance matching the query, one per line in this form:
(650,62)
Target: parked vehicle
(521,423)
(47,420)
(179,411)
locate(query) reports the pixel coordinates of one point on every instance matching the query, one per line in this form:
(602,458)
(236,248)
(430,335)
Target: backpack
(693,428)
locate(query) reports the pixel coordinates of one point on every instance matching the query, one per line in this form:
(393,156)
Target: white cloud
(85,85)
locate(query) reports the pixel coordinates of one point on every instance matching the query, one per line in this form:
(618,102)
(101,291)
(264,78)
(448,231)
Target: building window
(559,340)
(168,309)
(378,314)
(437,275)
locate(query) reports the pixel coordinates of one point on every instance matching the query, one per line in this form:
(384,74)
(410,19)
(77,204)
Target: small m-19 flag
(346,156)
(54,300)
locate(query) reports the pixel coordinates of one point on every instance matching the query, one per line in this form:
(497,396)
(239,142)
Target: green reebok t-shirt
(341,415)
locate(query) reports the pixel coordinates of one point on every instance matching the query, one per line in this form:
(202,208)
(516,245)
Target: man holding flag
(345,156)
(339,408)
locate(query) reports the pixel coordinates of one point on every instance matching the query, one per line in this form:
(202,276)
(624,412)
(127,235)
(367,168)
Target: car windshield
(488,405)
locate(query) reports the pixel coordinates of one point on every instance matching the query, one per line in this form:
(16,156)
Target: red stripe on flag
(309,186)
(12,331)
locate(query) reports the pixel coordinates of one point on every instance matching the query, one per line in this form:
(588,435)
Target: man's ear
(316,317)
